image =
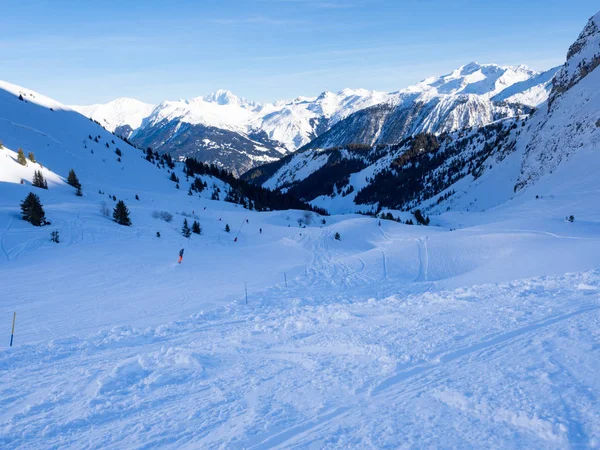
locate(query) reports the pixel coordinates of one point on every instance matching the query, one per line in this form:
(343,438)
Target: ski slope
(481,330)
(394,336)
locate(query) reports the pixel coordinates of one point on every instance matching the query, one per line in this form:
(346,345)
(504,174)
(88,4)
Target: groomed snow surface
(394,336)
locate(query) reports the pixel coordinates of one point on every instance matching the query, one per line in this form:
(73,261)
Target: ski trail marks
(480,346)
(406,382)
(2,246)
(423,259)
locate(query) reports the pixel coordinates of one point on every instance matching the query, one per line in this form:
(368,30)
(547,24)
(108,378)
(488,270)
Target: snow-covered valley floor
(396,336)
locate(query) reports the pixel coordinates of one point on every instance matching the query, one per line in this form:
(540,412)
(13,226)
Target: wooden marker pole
(12,333)
(246,288)
(285,278)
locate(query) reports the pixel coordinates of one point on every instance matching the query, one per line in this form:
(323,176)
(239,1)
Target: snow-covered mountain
(473,95)
(472,166)
(238,134)
(230,131)
(122,115)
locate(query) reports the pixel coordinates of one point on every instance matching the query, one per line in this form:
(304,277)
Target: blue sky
(81,52)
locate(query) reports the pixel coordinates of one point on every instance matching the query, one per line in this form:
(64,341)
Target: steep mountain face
(402,176)
(571,124)
(471,96)
(234,151)
(553,152)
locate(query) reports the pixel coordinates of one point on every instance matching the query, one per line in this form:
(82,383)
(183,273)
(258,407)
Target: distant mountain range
(459,143)
(238,134)
(469,140)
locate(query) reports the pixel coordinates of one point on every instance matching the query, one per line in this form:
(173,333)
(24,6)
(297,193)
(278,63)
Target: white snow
(482,330)
(122,111)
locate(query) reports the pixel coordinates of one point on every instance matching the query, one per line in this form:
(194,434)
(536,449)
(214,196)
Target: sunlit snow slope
(481,330)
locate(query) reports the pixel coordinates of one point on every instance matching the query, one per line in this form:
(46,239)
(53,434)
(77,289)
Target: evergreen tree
(38,180)
(54,237)
(185,230)
(174,177)
(33,211)
(196,228)
(21,157)
(121,214)
(78,192)
(158,234)
(337,236)
(72,179)
(227,229)
(137,197)
(31,157)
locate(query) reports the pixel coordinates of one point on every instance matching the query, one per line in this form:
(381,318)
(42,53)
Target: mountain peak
(226,97)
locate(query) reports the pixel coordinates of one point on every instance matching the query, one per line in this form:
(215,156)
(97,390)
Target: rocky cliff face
(571,123)
(582,58)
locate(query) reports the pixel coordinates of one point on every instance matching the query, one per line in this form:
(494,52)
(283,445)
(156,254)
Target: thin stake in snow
(12,333)
(240,230)
(246,289)
(285,278)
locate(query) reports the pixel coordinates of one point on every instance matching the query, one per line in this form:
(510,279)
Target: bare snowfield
(396,336)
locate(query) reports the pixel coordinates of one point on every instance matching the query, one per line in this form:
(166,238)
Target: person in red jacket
(180,256)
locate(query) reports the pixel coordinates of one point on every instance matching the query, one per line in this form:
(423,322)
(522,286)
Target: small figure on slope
(180,256)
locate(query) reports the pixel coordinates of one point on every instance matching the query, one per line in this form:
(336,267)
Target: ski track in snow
(2,244)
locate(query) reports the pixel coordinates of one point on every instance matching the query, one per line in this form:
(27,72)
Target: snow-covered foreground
(395,336)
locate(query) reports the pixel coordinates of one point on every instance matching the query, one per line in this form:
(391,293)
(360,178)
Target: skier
(247,221)
(180,256)
(260,231)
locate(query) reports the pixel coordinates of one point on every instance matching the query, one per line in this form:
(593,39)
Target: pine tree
(185,230)
(196,228)
(337,236)
(33,211)
(227,229)
(72,179)
(31,157)
(21,157)
(54,237)
(78,192)
(121,214)
(137,197)
(158,234)
(38,180)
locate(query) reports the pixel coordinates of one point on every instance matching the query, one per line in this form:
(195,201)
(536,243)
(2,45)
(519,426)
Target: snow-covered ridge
(119,112)
(484,80)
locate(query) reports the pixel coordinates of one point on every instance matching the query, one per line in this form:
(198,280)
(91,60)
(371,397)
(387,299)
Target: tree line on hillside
(242,192)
